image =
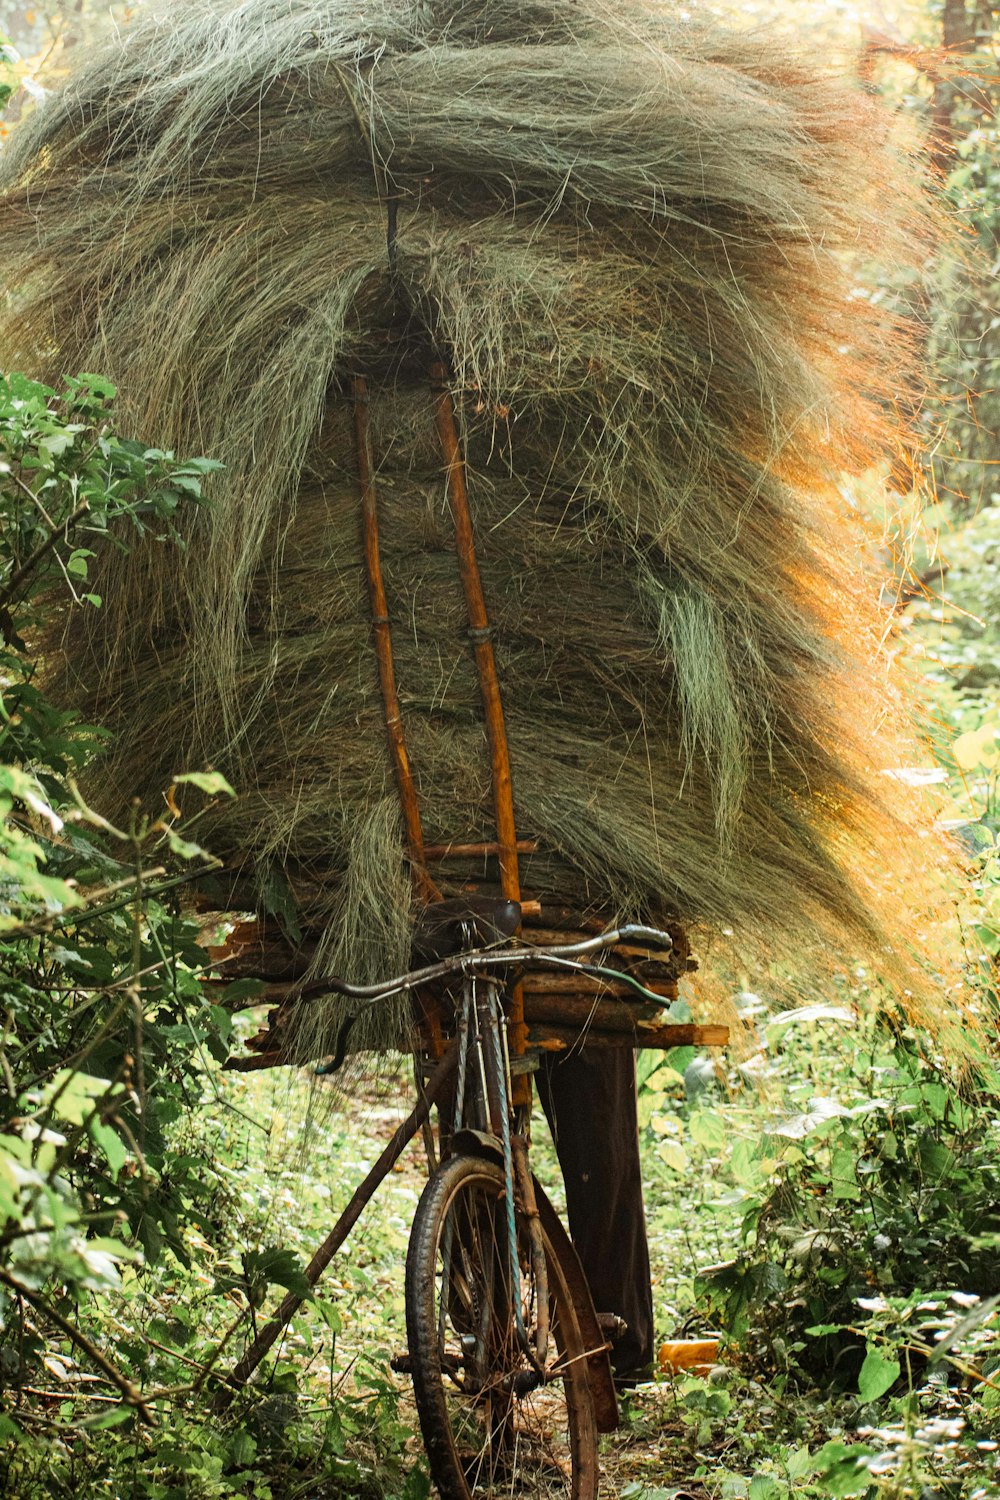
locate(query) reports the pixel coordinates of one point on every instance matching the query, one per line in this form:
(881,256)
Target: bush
(880,1205)
(104,1023)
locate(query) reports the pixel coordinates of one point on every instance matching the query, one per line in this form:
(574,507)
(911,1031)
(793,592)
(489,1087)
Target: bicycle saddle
(446,927)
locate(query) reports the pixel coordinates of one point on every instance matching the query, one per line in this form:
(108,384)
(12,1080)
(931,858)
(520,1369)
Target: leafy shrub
(128,1270)
(880,1205)
(104,1023)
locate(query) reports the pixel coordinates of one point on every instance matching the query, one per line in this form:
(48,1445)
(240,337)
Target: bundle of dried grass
(626,233)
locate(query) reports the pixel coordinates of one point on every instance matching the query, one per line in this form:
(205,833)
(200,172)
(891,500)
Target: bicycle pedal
(612,1326)
(402,1363)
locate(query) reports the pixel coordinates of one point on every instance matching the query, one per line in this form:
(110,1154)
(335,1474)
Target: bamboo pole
(481,635)
(383,647)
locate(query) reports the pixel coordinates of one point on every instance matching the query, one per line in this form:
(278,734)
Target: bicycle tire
(482,1424)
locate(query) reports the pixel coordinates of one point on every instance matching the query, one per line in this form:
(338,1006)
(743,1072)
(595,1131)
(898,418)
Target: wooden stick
(254,1061)
(558,1026)
(563,1038)
(541,982)
(586,1010)
(489,683)
(58,534)
(130,1394)
(400,1139)
(383,647)
(472,851)
(570,921)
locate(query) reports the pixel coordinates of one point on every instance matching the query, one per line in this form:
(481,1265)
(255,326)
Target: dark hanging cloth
(589,1100)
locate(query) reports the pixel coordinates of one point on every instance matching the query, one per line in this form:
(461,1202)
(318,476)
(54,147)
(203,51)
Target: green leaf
(116,1418)
(707,1129)
(55,444)
(183,848)
(74,1095)
(244,1449)
(246,990)
(976,748)
(282,1268)
(877,1375)
(330,1314)
(417,1486)
(821,1113)
(96,385)
(844,1175)
(844,1469)
(745,1165)
(212,783)
(109,1142)
(673,1155)
(799,1463)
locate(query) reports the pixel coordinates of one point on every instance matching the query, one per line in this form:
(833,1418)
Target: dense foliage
(965,342)
(104,1022)
(123,1162)
(889,1199)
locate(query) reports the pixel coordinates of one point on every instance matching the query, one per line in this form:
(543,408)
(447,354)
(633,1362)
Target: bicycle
(508,1357)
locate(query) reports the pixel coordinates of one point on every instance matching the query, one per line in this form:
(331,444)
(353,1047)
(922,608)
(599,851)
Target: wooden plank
(562,1038)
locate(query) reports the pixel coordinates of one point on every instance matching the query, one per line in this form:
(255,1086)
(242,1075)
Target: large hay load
(624,237)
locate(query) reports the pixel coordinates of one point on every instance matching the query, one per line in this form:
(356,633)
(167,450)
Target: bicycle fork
(483,1021)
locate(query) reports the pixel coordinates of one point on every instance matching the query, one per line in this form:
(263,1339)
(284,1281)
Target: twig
(30,563)
(131,1395)
(207,1370)
(55,920)
(119,984)
(183,1359)
(36,500)
(71,1395)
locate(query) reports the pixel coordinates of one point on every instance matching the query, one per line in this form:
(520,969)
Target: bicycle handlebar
(563,955)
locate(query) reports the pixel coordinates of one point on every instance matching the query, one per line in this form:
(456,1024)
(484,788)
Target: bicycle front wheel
(491,1424)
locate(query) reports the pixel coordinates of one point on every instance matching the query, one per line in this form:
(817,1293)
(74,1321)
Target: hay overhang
(631,236)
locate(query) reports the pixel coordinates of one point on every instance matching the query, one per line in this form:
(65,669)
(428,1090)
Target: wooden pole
(383,647)
(480,632)
(474,851)
(364,1192)
(582,1011)
(566,1038)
